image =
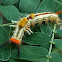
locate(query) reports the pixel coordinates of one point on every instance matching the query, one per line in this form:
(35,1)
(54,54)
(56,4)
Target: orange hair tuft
(15,41)
(59,12)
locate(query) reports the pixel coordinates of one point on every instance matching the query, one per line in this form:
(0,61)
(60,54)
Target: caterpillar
(24,24)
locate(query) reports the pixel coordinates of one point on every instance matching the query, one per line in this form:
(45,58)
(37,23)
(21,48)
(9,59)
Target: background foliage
(35,47)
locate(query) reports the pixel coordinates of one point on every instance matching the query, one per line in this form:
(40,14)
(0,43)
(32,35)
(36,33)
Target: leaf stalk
(7,24)
(50,49)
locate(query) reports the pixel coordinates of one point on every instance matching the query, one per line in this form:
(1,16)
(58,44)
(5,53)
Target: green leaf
(46,46)
(46,29)
(10,12)
(9,2)
(41,60)
(59,7)
(13,60)
(4,50)
(46,6)
(32,53)
(23,14)
(0,61)
(37,38)
(28,5)
(7,30)
(36,28)
(3,35)
(59,33)
(56,57)
(58,43)
(1,20)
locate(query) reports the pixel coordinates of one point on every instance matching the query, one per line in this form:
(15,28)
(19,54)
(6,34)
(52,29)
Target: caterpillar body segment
(25,19)
(32,16)
(24,24)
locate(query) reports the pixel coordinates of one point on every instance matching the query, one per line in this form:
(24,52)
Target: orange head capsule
(25,19)
(15,41)
(32,16)
(21,23)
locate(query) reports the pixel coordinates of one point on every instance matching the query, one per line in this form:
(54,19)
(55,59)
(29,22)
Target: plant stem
(7,24)
(50,49)
(58,2)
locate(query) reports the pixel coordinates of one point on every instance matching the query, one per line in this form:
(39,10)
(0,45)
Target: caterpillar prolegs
(24,24)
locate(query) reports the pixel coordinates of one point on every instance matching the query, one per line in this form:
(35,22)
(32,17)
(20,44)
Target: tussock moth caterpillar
(24,24)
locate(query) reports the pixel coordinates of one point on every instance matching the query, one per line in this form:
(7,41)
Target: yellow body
(32,15)
(25,19)
(23,22)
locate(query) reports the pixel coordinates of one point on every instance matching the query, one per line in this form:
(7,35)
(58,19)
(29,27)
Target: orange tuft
(32,15)
(59,12)
(25,19)
(21,23)
(15,41)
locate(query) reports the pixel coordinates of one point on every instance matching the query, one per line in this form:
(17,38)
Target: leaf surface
(31,53)
(9,2)
(10,12)
(37,38)
(28,5)
(46,6)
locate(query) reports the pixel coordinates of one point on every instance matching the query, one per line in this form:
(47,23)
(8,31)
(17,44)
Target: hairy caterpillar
(24,24)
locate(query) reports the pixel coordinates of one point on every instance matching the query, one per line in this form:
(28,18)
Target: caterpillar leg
(30,30)
(12,25)
(4,44)
(14,21)
(18,50)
